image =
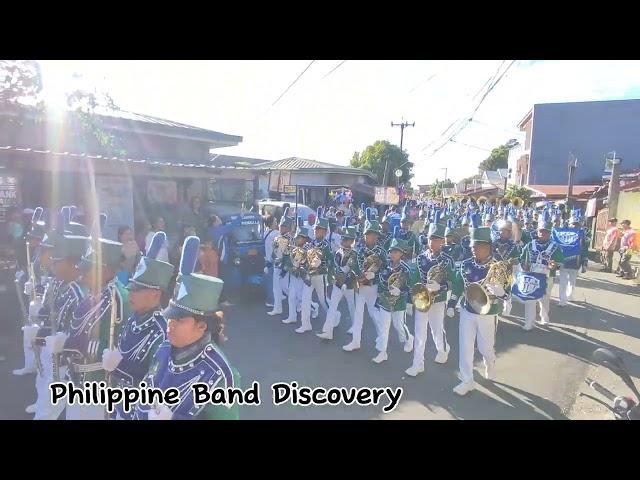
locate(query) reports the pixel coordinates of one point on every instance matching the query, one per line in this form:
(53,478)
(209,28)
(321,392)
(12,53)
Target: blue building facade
(588,129)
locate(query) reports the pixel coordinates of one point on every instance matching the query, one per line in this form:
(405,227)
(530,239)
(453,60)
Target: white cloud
(328,119)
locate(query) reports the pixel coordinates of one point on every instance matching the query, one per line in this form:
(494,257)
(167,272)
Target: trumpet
(422,297)
(500,273)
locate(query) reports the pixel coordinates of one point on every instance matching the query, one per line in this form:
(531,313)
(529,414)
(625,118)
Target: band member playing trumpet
(279,258)
(541,256)
(371,260)
(346,266)
(393,294)
(437,287)
(478,317)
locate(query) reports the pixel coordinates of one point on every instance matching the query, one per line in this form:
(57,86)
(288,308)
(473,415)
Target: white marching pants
(398,320)
(367,295)
(319,284)
(295,296)
(45,410)
(332,315)
(278,288)
(482,327)
(29,333)
(530,307)
(434,317)
(568,277)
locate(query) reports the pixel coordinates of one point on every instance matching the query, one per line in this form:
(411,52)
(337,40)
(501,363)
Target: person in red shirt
(609,245)
(208,259)
(628,247)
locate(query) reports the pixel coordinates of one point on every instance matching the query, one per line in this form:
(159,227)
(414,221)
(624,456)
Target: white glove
(30,332)
(496,290)
(343,287)
(345,269)
(110,359)
(433,286)
(369,275)
(162,413)
(266,270)
(55,343)
(395,291)
(450,312)
(28,289)
(34,309)
(316,263)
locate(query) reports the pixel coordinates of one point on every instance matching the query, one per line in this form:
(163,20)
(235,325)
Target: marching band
(425,260)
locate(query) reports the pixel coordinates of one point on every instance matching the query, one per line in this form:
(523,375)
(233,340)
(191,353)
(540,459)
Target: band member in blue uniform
(434,316)
(192,350)
(91,329)
(575,249)
(506,249)
(474,324)
(145,330)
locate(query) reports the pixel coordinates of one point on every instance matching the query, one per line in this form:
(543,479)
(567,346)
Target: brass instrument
(371,263)
(505,201)
(282,246)
(422,297)
(482,200)
(517,202)
(465,199)
(349,258)
(298,257)
(314,255)
(500,273)
(398,280)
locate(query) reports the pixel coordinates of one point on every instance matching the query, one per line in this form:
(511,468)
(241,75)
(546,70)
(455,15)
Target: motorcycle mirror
(614,363)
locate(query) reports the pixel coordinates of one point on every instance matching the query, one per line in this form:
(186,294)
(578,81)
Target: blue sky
(327,118)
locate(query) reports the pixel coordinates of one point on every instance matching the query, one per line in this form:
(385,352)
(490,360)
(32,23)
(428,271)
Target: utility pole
(402,126)
(614,185)
(573,164)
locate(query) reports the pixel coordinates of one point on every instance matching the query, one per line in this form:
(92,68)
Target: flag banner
(529,285)
(569,239)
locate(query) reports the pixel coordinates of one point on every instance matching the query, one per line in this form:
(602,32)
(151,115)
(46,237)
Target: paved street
(539,373)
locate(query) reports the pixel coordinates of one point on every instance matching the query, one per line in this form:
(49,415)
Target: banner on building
(8,195)
(386,196)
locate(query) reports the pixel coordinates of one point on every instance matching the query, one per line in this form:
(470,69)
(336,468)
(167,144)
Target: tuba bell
(482,200)
(298,256)
(517,202)
(282,246)
(480,300)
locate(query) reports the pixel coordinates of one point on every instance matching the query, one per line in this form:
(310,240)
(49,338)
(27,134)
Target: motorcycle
(623,408)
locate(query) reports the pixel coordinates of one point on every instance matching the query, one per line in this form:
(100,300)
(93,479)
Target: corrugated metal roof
(231,161)
(144,161)
(561,189)
(296,163)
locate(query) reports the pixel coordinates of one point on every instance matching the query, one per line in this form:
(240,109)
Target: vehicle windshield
(246,233)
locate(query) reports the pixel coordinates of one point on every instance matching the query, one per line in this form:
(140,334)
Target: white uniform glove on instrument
(450,312)
(30,333)
(395,291)
(162,413)
(496,290)
(345,269)
(111,358)
(266,270)
(55,343)
(369,275)
(316,263)
(433,286)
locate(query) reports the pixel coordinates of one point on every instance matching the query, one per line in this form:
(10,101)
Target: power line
(467,145)
(493,85)
(334,69)
(292,84)
(422,83)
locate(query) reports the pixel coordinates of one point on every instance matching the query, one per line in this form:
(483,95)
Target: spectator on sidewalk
(130,250)
(609,244)
(628,247)
(157,225)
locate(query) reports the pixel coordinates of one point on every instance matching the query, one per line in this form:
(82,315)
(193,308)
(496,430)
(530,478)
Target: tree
(497,159)
(436,189)
(518,191)
(375,157)
(20,82)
